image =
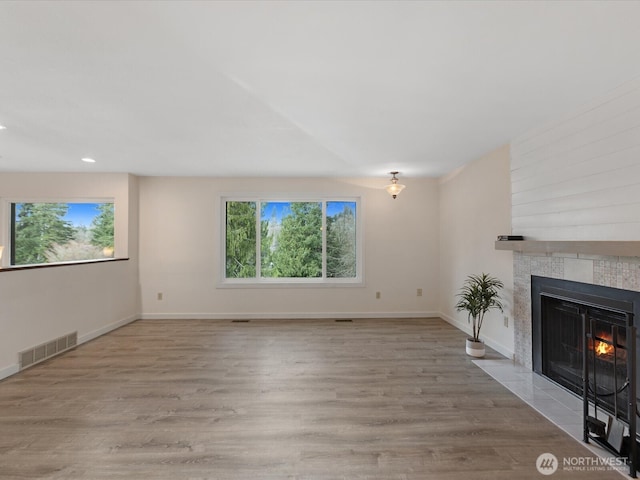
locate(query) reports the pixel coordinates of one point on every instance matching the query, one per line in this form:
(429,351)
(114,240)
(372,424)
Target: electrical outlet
(160,295)
(419,292)
(377,295)
(506,321)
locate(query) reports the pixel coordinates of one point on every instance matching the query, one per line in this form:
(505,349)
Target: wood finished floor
(310,399)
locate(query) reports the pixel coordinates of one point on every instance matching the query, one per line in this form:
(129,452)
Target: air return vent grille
(47,350)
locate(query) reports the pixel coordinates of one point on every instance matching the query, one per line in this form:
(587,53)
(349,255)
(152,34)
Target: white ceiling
(296,88)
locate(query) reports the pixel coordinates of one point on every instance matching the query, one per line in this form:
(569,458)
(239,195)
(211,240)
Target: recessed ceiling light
(2,127)
(88,160)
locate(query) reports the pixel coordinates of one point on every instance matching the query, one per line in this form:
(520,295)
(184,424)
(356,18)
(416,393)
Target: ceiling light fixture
(88,160)
(394,188)
(2,127)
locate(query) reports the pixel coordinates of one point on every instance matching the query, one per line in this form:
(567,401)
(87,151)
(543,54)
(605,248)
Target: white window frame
(260,282)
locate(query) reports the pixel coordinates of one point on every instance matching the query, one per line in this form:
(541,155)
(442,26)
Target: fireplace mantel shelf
(609,248)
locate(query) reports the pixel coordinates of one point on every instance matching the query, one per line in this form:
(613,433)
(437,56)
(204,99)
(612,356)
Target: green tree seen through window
(102,228)
(341,241)
(240,240)
(297,251)
(38,227)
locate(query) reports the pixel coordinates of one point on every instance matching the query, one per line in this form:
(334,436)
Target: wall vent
(42,352)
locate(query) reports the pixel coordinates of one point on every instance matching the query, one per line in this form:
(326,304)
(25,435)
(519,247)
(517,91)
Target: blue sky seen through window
(279,210)
(81,213)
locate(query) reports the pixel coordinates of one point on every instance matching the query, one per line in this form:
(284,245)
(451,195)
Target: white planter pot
(475,349)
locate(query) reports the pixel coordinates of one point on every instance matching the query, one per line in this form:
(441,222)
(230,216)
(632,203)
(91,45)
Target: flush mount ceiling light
(88,160)
(394,188)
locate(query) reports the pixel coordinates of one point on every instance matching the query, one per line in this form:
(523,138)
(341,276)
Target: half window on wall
(61,232)
(314,241)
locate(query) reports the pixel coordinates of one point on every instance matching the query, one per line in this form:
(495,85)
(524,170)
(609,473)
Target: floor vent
(345,320)
(239,321)
(47,350)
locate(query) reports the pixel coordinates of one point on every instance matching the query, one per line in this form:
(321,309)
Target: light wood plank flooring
(310,399)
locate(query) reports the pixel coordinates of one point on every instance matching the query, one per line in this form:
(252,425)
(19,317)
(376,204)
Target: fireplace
(558,335)
(584,338)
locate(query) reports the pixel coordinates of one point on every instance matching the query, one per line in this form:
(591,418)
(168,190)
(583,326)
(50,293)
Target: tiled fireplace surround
(617,272)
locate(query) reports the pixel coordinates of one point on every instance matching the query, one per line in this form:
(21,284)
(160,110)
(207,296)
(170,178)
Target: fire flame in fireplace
(603,348)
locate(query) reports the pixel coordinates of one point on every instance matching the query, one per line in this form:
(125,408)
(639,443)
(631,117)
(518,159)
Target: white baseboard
(284,316)
(106,329)
(497,346)
(9,370)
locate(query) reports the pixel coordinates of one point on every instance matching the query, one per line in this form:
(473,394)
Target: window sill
(280,283)
(13,268)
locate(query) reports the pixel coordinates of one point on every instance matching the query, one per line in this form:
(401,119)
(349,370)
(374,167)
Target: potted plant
(478,295)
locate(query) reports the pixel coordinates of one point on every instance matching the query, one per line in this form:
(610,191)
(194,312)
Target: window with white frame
(53,232)
(305,241)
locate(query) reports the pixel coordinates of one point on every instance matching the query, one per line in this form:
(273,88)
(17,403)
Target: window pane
(61,232)
(291,240)
(341,239)
(241,240)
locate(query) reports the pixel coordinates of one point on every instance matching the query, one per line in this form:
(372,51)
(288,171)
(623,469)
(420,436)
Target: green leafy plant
(478,295)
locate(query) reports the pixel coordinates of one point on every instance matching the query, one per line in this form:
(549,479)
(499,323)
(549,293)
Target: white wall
(578,178)
(45,303)
(180,251)
(475,207)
